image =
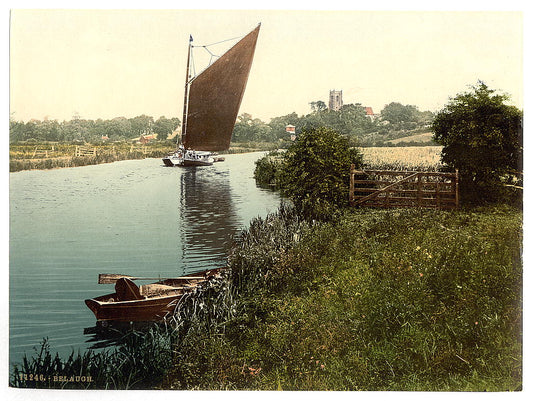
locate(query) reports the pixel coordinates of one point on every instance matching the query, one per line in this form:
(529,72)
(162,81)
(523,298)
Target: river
(132,217)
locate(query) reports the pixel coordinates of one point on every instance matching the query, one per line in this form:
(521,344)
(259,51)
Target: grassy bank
(380,300)
(375,300)
(60,155)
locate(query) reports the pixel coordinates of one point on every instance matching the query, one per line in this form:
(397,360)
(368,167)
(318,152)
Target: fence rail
(384,188)
(41,151)
(85,151)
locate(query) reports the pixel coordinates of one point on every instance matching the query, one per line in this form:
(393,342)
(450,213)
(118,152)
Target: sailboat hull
(189,158)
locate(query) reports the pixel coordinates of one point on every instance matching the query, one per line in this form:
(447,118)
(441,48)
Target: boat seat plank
(154,289)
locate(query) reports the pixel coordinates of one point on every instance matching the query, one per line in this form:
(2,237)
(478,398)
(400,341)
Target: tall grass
(379,300)
(21,156)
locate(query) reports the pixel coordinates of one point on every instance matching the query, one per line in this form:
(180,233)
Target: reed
(139,362)
(78,161)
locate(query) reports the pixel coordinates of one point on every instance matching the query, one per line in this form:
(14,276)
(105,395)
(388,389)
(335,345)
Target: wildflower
(421,274)
(322,366)
(253,371)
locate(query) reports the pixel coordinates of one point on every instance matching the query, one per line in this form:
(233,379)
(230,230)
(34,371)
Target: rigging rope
(222,41)
(212,55)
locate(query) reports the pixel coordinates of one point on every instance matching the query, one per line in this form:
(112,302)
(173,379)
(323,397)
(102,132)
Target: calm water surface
(132,217)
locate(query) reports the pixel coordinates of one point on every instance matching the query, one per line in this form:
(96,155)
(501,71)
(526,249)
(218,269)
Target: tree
(279,125)
(163,127)
(141,125)
(353,120)
(318,106)
(482,138)
(315,172)
(16,131)
(248,129)
(397,113)
(118,128)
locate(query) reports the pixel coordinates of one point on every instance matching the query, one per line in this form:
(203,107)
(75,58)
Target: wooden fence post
(456,189)
(419,190)
(352,184)
(438,194)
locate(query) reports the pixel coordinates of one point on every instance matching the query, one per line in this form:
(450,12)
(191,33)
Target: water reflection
(208,219)
(104,335)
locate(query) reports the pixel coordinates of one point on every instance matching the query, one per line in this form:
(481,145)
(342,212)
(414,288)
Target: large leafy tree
(250,129)
(315,172)
(397,113)
(163,127)
(318,106)
(141,125)
(482,138)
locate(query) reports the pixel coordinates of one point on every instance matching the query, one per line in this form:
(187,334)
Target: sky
(123,63)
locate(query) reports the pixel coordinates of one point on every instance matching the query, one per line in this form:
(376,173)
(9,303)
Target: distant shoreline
(53,163)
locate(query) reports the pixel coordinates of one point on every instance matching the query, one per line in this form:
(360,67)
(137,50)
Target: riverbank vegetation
(42,156)
(375,300)
(48,155)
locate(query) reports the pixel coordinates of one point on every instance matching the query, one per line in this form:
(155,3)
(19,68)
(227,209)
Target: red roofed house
(370,113)
(147,138)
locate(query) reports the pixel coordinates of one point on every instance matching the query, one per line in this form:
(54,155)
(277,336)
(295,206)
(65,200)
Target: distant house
(370,113)
(105,138)
(291,129)
(144,139)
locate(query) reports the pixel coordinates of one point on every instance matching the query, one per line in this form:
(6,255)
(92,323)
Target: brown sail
(215,96)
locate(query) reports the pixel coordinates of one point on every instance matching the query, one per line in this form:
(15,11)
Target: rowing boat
(146,303)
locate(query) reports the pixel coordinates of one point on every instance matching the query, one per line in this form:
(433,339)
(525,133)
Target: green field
(419,138)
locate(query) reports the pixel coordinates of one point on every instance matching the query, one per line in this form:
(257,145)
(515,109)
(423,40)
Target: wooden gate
(384,188)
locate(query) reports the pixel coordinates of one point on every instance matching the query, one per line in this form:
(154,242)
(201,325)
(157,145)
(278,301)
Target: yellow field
(417,158)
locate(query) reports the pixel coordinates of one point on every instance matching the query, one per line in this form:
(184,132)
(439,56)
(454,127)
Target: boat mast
(186,94)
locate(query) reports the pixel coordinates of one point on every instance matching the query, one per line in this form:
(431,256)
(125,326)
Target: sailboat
(211,103)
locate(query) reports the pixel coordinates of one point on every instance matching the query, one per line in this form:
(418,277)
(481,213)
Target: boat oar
(104,278)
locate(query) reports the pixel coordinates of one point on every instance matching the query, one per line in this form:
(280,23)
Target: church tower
(335,100)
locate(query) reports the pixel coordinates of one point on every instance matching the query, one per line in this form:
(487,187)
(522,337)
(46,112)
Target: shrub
(315,173)
(267,169)
(482,138)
